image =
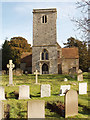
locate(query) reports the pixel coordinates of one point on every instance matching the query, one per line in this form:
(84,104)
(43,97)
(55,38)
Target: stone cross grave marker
(80,75)
(1,110)
(24,92)
(10,66)
(82,88)
(36,73)
(36,109)
(63,89)
(2,93)
(71,103)
(45,90)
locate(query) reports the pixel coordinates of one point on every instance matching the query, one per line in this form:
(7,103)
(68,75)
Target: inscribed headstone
(63,89)
(2,93)
(45,90)
(36,109)
(80,75)
(1,110)
(24,92)
(82,88)
(71,103)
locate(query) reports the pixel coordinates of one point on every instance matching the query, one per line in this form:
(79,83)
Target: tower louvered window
(44,19)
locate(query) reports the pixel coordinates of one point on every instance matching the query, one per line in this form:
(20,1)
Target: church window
(45,55)
(42,56)
(44,19)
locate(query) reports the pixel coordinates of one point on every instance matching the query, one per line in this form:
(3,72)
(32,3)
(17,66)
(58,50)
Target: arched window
(45,55)
(44,19)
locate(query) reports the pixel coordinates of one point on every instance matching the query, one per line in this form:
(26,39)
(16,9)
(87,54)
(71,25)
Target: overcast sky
(17,18)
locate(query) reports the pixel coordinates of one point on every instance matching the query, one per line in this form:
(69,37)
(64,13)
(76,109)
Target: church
(47,55)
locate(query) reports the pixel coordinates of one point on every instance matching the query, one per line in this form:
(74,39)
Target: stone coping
(44,10)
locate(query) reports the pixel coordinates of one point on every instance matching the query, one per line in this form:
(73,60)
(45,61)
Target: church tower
(44,49)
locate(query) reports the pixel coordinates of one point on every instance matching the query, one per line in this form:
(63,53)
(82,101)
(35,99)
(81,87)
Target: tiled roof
(70,52)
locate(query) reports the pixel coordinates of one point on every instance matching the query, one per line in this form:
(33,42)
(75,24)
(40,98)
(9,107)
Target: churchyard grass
(18,108)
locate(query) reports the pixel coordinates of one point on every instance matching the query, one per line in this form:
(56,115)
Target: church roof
(70,52)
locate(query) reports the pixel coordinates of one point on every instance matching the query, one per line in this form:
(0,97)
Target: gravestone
(64,89)
(45,90)
(36,73)
(71,103)
(18,72)
(36,109)
(82,88)
(10,66)
(80,75)
(24,92)
(2,93)
(1,110)
(3,72)
(65,79)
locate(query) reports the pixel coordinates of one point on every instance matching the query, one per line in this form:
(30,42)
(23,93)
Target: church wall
(44,33)
(68,63)
(52,51)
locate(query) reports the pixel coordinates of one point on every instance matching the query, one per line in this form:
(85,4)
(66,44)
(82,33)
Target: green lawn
(18,108)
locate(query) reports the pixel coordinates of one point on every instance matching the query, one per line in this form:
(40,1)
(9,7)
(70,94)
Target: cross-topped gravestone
(37,73)
(10,66)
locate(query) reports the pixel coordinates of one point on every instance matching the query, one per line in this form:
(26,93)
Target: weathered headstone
(71,103)
(36,109)
(24,92)
(36,73)
(2,93)
(3,72)
(45,90)
(64,89)
(65,79)
(80,75)
(18,72)
(1,110)
(82,88)
(10,66)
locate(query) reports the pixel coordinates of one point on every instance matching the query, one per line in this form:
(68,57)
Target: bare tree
(83,23)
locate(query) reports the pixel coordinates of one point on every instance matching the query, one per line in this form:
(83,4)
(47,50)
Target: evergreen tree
(6,54)
(83,52)
(13,49)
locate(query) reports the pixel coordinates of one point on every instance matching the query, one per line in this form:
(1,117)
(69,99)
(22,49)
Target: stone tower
(44,49)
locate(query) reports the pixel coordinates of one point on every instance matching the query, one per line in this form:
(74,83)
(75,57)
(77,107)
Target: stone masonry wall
(52,51)
(68,63)
(44,33)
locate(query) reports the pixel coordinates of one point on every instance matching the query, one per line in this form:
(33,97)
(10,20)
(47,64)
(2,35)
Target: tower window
(44,19)
(45,55)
